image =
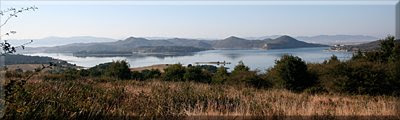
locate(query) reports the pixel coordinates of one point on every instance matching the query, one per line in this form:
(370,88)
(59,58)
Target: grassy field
(91,98)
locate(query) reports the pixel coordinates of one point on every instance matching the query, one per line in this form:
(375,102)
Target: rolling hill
(142,44)
(283,42)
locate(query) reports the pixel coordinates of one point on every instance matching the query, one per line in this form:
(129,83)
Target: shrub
(208,68)
(68,74)
(240,68)
(356,77)
(241,74)
(290,72)
(83,73)
(174,73)
(220,76)
(362,77)
(137,75)
(394,71)
(386,47)
(151,74)
(119,70)
(98,70)
(196,74)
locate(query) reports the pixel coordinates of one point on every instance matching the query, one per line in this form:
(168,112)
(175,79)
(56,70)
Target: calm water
(255,59)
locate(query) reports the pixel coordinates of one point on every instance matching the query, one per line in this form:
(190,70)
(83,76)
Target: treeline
(11,59)
(373,73)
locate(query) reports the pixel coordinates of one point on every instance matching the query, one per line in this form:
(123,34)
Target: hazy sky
(121,20)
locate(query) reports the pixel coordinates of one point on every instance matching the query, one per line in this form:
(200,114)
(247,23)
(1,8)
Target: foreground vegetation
(366,85)
(92,99)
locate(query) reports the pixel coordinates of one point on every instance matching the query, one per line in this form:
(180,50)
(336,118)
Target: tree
(387,46)
(119,70)
(136,75)
(196,74)
(291,73)
(99,69)
(151,74)
(240,68)
(174,73)
(334,59)
(220,76)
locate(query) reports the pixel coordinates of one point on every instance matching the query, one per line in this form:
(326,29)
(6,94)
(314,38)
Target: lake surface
(255,59)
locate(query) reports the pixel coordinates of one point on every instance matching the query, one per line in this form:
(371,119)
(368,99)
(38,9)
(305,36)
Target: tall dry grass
(91,99)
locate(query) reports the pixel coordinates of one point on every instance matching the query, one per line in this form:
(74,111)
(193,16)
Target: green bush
(119,70)
(242,74)
(197,74)
(151,74)
(98,70)
(291,72)
(208,68)
(358,77)
(220,76)
(174,73)
(136,75)
(240,68)
(394,72)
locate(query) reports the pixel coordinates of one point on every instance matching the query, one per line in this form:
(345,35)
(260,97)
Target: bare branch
(14,13)
(6,47)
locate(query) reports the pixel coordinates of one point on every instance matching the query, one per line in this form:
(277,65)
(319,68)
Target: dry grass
(89,98)
(159,67)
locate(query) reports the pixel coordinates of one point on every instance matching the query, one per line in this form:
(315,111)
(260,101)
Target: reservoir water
(255,59)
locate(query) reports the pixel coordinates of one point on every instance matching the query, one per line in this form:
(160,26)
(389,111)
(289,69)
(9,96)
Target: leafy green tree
(119,70)
(291,73)
(333,59)
(386,47)
(136,75)
(242,74)
(174,73)
(220,76)
(358,55)
(98,70)
(209,68)
(239,74)
(240,68)
(363,77)
(197,74)
(151,74)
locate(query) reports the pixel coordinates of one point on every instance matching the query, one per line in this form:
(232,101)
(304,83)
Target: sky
(199,20)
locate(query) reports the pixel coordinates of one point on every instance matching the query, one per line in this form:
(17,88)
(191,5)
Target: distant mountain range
(320,39)
(282,42)
(338,39)
(327,39)
(177,45)
(58,41)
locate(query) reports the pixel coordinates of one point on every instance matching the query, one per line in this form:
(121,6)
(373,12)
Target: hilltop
(134,44)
